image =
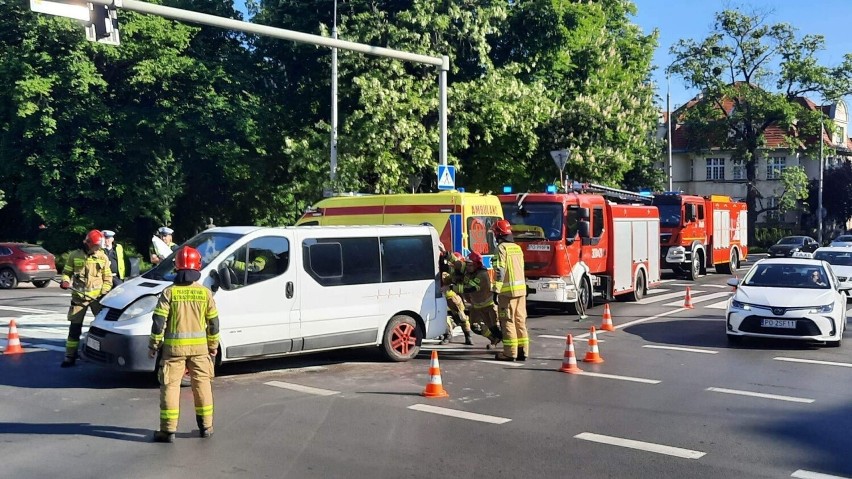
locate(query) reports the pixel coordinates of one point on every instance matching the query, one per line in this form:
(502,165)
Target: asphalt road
(671,400)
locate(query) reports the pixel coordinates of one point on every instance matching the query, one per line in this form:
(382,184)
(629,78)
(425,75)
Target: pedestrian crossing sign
(446,177)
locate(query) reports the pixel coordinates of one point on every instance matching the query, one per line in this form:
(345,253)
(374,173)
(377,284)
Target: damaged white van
(294,290)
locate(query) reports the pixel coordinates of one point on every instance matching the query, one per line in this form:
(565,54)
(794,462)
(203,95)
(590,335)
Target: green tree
(836,197)
(735,68)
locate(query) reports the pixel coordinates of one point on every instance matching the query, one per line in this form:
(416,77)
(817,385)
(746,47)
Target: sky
(682,19)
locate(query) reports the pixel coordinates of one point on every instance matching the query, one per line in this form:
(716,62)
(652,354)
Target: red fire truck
(577,245)
(700,232)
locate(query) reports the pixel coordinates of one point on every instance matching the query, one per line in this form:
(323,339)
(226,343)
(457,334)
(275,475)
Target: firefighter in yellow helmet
(186,329)
(483,311)
(88,276)
(510,292)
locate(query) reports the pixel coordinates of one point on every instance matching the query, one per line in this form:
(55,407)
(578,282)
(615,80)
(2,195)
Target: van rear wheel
(402,338)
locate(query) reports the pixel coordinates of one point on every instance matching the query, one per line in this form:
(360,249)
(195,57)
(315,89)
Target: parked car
(840,259)
(786,246)
(790,299)
(842,240)
(25,263)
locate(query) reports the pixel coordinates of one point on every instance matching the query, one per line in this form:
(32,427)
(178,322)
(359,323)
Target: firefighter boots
(467,339)
(163,436)
(522,354)
(68,362)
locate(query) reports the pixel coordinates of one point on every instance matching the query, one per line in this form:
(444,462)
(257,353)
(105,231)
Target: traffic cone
(434,389)
(687,300)
(734,289)
(606,325)
(593,355)
(569,361)
(13,346)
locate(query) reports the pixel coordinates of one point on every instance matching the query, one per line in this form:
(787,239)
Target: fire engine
(699,232)
(579,244)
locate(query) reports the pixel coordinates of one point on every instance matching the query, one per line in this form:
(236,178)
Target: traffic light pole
(228,23)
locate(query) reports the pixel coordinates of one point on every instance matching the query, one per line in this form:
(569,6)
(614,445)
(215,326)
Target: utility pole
(333,174)
(819,187)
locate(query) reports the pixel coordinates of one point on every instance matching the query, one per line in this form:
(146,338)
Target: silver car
(842,240)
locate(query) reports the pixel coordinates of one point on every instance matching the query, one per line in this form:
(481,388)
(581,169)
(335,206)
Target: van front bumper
(117,351)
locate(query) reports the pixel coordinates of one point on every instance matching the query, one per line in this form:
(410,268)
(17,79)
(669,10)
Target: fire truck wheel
(694,270)
(586,296)
(732,266)
(638,287)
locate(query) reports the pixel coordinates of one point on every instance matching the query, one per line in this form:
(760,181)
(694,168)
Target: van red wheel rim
(403,338)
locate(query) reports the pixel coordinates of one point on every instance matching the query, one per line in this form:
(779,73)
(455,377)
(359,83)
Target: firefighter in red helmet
(510,292)
(186,331)
(87,275)
(483,310)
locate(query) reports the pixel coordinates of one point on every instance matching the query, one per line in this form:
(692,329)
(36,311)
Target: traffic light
(103,24)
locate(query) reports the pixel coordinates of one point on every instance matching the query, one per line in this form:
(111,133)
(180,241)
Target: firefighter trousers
(76,315)
(487,316)
(512,313)
(200,369)
(456,307)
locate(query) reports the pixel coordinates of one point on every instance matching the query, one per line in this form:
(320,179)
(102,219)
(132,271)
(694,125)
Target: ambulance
(463,220)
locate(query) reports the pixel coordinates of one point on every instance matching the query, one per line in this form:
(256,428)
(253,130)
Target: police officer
(510,292)
(186,329)
(483,311)
(115,253)
(87,274)
(455,304)
(161,245)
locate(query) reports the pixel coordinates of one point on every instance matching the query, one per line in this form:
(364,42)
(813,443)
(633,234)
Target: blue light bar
(551,189)
(460,190)
(507,189)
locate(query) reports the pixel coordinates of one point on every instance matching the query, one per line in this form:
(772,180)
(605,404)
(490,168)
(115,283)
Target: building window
(773,215)
(738,171)
(715,169)
(774,166)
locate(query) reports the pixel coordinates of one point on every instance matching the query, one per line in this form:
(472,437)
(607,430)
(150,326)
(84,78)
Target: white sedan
(840,259)
(788,298)
(842,240)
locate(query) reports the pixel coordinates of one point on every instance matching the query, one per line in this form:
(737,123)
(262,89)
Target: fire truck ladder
(614,194)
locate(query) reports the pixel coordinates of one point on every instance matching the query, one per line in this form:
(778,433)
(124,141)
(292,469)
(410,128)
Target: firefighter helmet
(502,228)
(475,258)
(458,256)
(94,238)
(188,258)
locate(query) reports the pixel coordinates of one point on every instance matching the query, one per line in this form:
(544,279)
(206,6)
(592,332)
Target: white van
(316,289)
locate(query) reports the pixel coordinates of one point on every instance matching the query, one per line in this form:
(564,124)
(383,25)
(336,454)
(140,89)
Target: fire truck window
(701,212)
(597,222)
(571,224)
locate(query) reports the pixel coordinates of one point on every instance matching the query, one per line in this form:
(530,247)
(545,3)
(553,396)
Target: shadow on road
(77,429)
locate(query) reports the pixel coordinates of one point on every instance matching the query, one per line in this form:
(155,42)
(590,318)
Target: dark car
(788,245)
(24,263)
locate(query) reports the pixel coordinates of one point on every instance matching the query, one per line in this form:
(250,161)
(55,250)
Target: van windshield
(208,244)
(533,221)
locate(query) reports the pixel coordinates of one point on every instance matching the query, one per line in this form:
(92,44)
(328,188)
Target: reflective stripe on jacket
(89,274)
(186,321)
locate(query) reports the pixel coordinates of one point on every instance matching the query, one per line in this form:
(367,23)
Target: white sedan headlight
(740,305)
(822,309)
(142,306)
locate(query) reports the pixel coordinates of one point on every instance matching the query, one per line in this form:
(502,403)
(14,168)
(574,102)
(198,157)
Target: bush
(768,236)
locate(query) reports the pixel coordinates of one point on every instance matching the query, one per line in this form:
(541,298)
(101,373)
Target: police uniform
(186,323)
(89,276)
(510,286)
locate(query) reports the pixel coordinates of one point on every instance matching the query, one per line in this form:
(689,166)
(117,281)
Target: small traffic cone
(687,300)
(434,389)
(593,355)
(13,346)
(606,325)
(569,360)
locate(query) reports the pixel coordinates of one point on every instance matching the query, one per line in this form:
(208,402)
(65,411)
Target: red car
(24,263)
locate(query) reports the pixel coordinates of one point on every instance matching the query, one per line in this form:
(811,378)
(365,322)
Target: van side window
(597,222)
(342,261)
(260,260)
(407,258)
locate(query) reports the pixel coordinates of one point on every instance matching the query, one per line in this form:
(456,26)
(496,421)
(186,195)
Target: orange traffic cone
(434,389)
(606,325)
(569,361)
(13,346)
(687,300)
(593,355)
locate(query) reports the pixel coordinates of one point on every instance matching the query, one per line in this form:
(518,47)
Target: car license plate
(44,266)
(778,323)
(538,247)
(93,343)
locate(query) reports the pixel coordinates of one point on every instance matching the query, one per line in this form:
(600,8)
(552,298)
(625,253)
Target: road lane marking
(50,347)
(676,348)
(501,363)
(760,395)
(550,336)
(663,297)
(640,445)
(25,310)
(621,378)
(719,305)
(657,290)
(720,286)
(803,474)
(303,389)
(701,299)
(471,416)
(442,349)
(813,361)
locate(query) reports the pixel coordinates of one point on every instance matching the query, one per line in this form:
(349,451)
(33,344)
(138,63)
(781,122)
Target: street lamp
(819,187)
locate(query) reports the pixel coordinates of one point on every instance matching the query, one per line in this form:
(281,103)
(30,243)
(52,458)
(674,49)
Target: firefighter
(88,275)
(510,293)
(186,329)
(483,311)
(455,304)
